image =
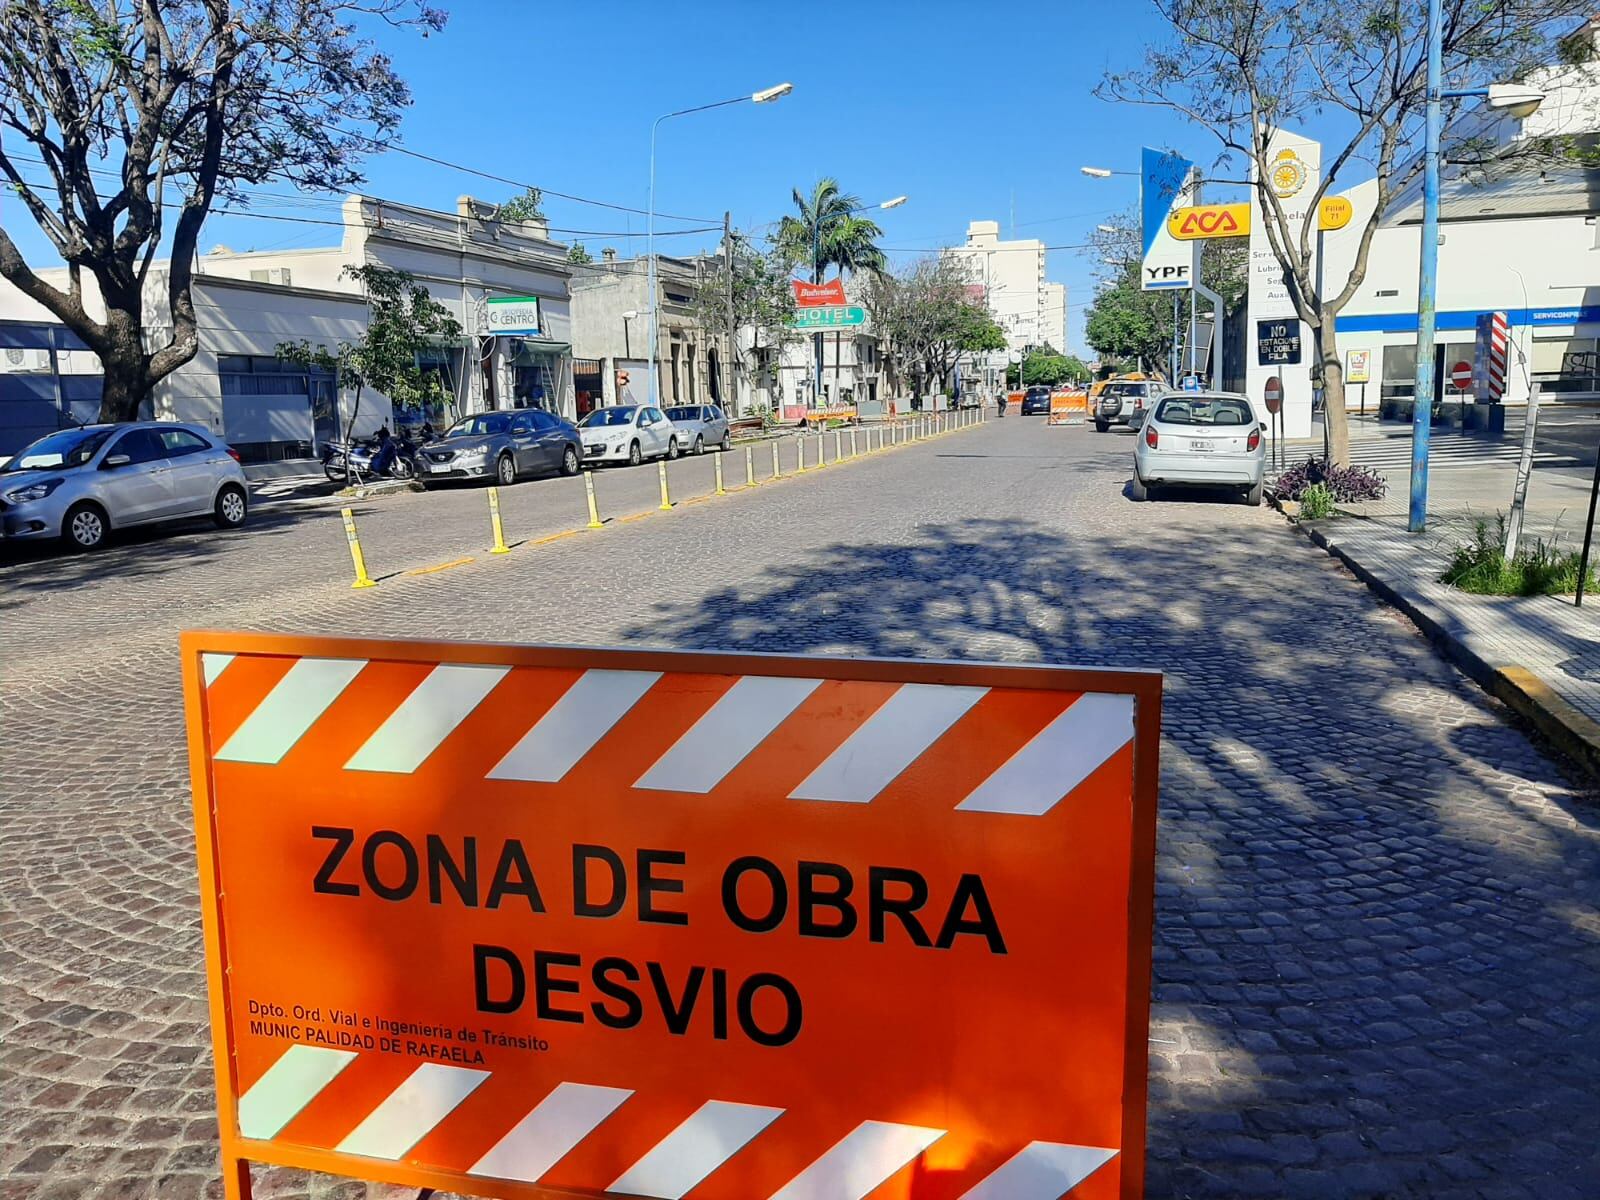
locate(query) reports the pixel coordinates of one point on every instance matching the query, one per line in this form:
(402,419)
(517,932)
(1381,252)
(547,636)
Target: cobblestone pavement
(1377,960)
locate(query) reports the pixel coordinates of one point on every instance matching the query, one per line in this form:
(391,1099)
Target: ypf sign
(533,923)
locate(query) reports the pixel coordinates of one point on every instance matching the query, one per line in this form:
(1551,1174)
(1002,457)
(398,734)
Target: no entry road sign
(1461,376)
(535,922)
(1272,394)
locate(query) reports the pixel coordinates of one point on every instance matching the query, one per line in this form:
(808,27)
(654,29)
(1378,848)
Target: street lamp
(1103,172)
(1106,228)
(764,96)
(816,270)
(627,346)
(1520,102)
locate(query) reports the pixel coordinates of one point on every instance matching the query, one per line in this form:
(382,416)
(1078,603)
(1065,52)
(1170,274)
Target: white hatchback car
(1200,439)
(628,433)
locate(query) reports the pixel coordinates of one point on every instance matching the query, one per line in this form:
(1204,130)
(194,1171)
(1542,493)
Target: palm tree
(826,222)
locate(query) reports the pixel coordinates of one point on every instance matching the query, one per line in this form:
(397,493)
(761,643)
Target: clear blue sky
(959,105)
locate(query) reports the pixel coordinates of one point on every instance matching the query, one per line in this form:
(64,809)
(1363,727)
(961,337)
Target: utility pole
(730,373)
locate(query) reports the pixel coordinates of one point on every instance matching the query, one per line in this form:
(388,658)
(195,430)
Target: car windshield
(1124,389)
(683,414)
(483,423)
(70,448)
(602,417)
(1204,410)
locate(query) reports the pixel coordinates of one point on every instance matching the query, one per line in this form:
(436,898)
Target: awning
(532,348)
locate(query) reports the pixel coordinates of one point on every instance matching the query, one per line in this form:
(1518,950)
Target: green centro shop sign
(512,314)
(832,317)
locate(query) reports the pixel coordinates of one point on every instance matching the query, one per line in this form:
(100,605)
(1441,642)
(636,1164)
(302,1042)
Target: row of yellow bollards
(894,434)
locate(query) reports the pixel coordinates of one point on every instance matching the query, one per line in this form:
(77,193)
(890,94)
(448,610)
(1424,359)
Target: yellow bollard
(838,445)
(500,546)
(853,450)
(594,509)
(822,449)
(749,466)
(666,500)
(363,580)
(716,461)
(800,444)
(777,467)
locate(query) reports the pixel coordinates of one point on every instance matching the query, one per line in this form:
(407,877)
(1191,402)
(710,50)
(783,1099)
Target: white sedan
(628,433)
(1200,439)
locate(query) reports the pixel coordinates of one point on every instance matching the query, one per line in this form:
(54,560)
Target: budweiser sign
(818,295)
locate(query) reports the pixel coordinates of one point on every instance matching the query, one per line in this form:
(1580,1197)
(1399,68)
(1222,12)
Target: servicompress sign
(512,315)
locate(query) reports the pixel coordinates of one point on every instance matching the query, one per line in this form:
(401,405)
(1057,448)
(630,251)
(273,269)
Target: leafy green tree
(928,315)
(1358,71)
(403,320)
(579,253)
(529,206)
(185,99)
(762,299)
(1048,369)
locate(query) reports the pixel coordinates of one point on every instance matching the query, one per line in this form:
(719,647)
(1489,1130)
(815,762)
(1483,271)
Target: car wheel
(505,470)
(1102,426)
(672,448)
(635,455)
(1137,489)
(570,461)
(85,526)
(727,441)
(1252,494)
(699,443)
(231,507)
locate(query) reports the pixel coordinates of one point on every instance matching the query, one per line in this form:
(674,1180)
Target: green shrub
(1542,569)
(1316,502)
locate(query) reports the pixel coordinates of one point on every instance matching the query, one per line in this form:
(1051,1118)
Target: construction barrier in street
(1070,407)
(468,928)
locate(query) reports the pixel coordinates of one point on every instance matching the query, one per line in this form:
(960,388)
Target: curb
(1572,732)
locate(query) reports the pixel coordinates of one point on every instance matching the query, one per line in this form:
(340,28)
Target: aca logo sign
(1209,221)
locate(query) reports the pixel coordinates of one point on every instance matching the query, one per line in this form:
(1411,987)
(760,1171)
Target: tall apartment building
(1011,276)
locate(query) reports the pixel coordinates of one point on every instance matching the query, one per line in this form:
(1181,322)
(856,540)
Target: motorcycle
(355,461)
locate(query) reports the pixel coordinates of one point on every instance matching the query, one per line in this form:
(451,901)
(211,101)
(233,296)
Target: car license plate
(1200,444)
(438,468)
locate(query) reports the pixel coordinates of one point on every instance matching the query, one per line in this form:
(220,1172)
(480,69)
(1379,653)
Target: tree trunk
(124,368)
(1335,418)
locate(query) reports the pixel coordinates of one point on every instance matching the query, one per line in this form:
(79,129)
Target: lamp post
(627,345)
(1519,102)
(765,96)
(1104,172)
(816,271)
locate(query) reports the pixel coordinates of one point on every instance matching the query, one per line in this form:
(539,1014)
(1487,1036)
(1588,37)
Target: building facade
(504,282)
(1009,276)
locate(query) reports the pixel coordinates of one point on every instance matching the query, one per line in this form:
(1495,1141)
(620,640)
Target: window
(178,442)
(1399,372)
(1205,410)
(522,424)
(140,445)
(543,422)
(260,375)
(1567,364)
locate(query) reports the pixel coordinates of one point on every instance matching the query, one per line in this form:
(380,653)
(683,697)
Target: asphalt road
(1377,960)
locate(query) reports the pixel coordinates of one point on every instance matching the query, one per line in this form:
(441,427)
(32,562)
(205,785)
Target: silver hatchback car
(700,425)
(79,484)
(1202,439)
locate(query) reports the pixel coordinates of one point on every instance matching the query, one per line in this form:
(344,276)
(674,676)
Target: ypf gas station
(1515,306)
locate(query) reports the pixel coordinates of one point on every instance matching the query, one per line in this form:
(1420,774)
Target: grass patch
(1316,502)
(1542,569)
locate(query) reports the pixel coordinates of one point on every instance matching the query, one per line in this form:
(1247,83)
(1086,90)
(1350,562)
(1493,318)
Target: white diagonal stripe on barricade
(709,1137)
(583,715)
(730,729)
(889,741)
(410,1112)
(859,1162)
(542,1138)
(426,717)
(289,709)
(289,1084)
(212,665)
(1041,1171)
(1060,757)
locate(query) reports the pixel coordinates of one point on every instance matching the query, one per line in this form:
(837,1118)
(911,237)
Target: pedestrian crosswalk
(1448,449)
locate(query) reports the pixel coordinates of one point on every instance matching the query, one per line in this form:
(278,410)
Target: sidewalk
(1538,654)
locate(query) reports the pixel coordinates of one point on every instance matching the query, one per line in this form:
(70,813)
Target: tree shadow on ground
(1372,972)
